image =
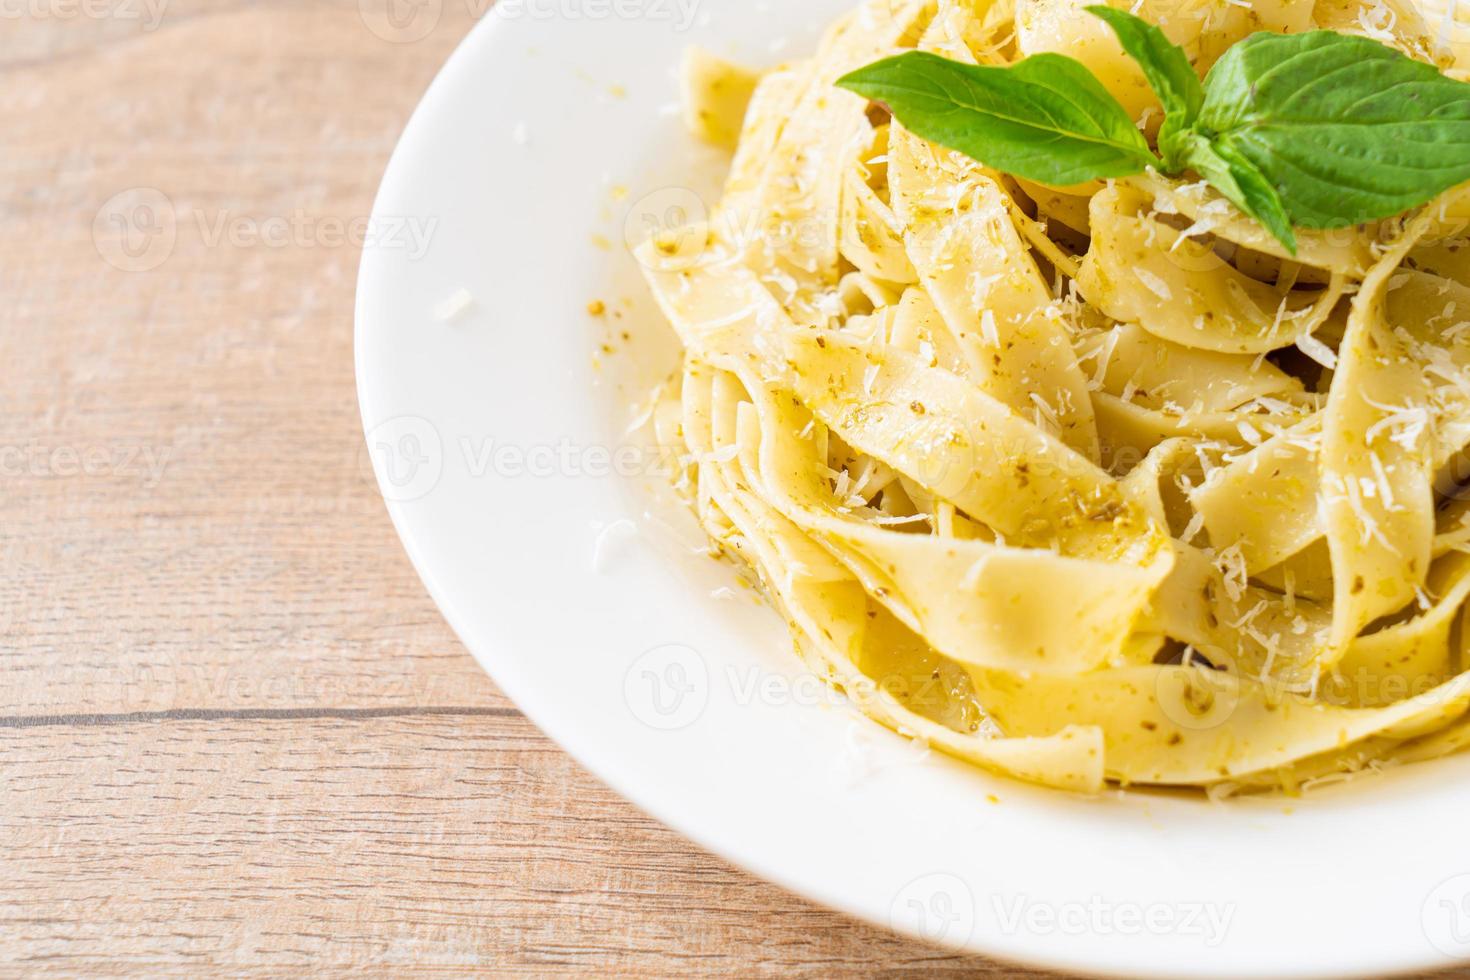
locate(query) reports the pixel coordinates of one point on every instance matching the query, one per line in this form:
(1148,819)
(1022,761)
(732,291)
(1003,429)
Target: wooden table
(236,733)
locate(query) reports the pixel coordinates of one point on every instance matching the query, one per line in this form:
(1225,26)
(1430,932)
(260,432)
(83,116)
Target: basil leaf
(1168,71)
(1045,118)
(1346,129)
(1241,182)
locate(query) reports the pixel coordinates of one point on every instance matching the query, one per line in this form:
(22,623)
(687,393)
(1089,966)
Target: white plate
(491,435)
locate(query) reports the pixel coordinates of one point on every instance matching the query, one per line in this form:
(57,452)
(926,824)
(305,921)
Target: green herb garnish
(1313,130)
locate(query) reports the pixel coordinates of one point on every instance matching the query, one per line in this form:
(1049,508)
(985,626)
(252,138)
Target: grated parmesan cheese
(452,307)
(1154,284)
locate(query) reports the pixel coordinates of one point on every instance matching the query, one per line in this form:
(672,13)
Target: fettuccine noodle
(1081,484)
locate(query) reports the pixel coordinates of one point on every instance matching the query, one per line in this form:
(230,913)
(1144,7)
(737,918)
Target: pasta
(1086,485)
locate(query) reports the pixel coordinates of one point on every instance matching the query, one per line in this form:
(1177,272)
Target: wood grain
(237,737)
(236,734)
(452,841)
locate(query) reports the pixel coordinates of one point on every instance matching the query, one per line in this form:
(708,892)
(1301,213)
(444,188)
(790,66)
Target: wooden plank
(188,517)
(451,841)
